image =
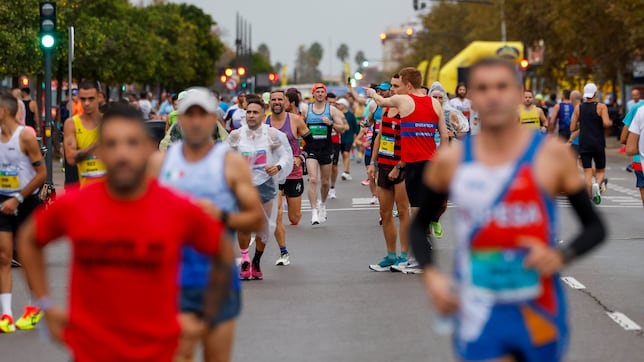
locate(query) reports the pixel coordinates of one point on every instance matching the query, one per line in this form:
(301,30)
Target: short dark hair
(528,90)
(460,84)
(293,98)
(566,94)
(331,95)
(121,111)
(89,84)
(278,91)
(255,99)
(27,90)
(7,100)
(495,62)
(396,76)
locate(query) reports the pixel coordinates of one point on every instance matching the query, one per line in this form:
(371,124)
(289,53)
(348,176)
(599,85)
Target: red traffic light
(524,64)
(241,71)
(273,77)
(223,79)
(24,82)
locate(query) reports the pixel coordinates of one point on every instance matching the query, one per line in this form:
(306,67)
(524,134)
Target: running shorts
(414,182)
(383,180)
(292,187)
(11,223)
(599,157)
(639,179)
(524,331)
(267,191)
(192,298)
(346,147)
(336,153)
(321,152)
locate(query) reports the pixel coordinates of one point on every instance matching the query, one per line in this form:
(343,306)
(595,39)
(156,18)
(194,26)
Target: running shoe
(413,267)
(629,167)
(400,265)
(315,218)
(364,182)
(604,185)
(374,200)
(283,260)
(322,211)
(332,194)
(245,271)
(597,198)
(384,265)
(30,318)
(395,213)
(346,176)
(256,272)
(437,228)
(15,263)
(6,324)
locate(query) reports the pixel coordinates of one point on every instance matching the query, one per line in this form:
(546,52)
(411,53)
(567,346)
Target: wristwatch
(279,167)
(19,197)
(398,166)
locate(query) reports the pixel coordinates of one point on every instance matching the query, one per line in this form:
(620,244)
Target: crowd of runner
(225,174)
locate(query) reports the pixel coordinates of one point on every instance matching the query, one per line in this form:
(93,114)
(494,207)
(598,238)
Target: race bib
(9,180)
(91,167)
(319,131)
(500,274)
(387,145)
(257,159)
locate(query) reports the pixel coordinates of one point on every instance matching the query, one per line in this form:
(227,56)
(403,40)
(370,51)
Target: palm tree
(343,52)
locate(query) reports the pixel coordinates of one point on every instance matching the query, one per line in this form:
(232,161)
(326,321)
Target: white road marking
(624,321)
(573,283)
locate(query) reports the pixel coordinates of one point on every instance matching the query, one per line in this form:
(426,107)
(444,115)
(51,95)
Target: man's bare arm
(542,118)
(218,285)
(574,122)
(632,144)
(604,114)
(300,125)
(70,146)
(553,119)
(339,122)
(32,149)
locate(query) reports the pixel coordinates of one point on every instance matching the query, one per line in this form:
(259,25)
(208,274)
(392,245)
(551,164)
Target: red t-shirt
(123,293)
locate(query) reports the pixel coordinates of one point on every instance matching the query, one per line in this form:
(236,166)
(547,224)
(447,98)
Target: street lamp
(358,76)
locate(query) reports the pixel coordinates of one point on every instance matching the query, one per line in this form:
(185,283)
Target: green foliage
(307,62)
(343,52)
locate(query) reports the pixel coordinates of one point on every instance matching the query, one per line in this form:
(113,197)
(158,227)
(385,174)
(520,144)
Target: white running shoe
(413,267)
(322,211)
(283,260)
(315,218)
(374,200)
(346,176)
(597,199)
(332,194)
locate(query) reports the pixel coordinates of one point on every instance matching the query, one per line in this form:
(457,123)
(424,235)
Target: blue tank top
(319,130)
(565,115)
(204,179)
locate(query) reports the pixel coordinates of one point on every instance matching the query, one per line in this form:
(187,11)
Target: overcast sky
(285,24)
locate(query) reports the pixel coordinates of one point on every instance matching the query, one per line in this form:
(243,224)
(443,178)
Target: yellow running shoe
(6,324)
(30,318)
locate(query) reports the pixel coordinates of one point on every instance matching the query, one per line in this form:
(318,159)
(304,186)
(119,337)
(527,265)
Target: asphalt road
(328,306)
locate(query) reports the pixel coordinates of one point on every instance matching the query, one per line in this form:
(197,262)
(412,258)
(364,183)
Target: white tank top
(16,170)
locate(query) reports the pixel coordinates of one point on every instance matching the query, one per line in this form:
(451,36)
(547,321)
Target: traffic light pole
(48,122)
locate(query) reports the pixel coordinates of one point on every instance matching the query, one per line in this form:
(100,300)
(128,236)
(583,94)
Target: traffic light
(524,64)
(383,37)
(241,71)
(273,77)
(47,24)
(228,72)
(223,79)
(24,82)
(244,85)
(409,32)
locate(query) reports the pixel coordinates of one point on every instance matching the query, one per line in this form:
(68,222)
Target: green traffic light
(47,41)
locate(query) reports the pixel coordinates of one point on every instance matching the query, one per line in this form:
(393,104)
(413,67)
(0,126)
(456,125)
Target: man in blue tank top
(211,175)
(561,116)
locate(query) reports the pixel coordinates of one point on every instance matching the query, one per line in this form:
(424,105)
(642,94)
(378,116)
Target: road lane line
(624,321)
(573,283)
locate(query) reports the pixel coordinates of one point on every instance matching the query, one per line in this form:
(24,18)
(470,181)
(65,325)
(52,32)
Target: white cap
(590,90)
(198,96)
(343,102)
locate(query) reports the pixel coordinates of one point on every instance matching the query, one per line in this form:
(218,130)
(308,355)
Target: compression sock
(283,250)
(258,257)
(404,255)
(391,255)
(244,255)
(5,300)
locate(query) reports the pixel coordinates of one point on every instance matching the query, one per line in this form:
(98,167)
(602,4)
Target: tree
(343,52)
(308,60)
(359,58)
(264,51)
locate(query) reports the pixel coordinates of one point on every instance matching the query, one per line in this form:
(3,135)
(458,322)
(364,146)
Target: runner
(591,117)
(331,98)
(236,115)
(125,253)
(293,127)
(386,157)
(369,127)
(463,104)
(420,118)
(320,118)
(22,173)
(636,165)
(269,156)
(348,138)
(507,297)
(561,116)
(81,135)
(32,115)
(457,124)
(530,115)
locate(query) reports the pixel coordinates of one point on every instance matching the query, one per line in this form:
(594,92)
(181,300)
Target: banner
(423,67)
(284,76)
(434,68)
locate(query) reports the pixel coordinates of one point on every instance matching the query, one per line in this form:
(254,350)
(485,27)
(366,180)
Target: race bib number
(387,145)
(319,131)
(257,159)
(500,274)
(91,167)
(9,180)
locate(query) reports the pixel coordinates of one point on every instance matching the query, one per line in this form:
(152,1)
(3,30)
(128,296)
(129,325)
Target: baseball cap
(266,96)
(589,90)
(317,86)
(343,102)
(198,96)
(75,91)
(385,86)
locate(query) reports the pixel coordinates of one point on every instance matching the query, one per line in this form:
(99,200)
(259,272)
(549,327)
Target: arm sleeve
(593,231)
(431,206)
(204,232)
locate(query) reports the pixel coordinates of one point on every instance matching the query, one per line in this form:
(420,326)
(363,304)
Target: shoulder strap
(468,153)
(530,152)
